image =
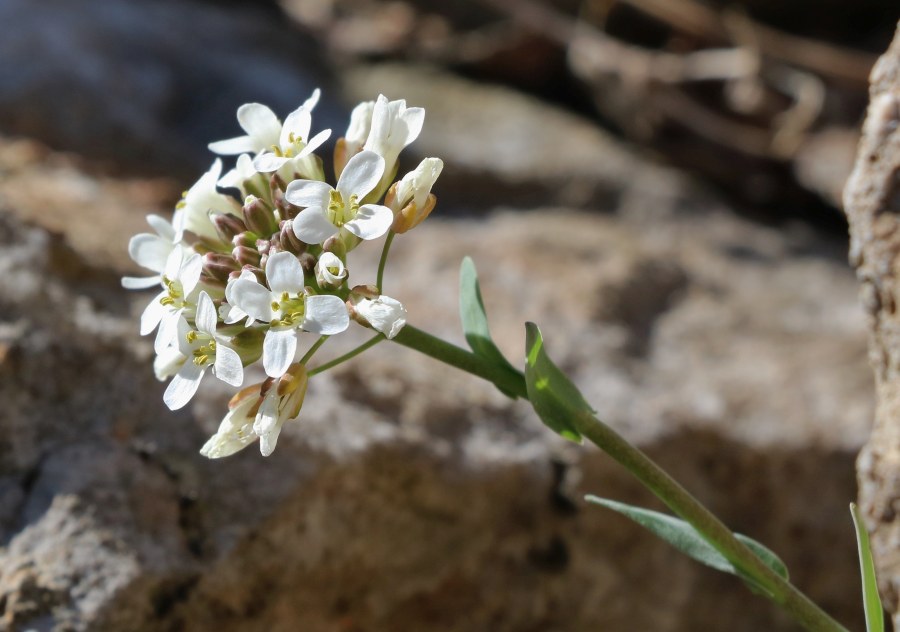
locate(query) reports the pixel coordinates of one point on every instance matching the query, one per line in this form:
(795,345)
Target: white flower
(179,280)
(151,252)
(288,309)
(328,210)
(201,200)
(236,430)
(202,350)
(274,143)
(384,314)
(330,270)
(394,126)
(263,128)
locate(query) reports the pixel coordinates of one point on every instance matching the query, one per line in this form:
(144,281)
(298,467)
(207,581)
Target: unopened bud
(411,198)
(248,344)
(335,245)
(245,239)
(289,240)
(219,266)
(330,271)
(308,263)
(382,313)
(246,256)
(411,215)
(277,183)
(259,217)
(228,225)
(263,245)
(207,279)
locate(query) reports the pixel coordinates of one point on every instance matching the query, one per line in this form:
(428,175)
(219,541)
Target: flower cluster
(253,265)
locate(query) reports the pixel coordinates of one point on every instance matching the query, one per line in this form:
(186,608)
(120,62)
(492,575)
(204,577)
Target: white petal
(284,273)
(414,119)
(268,162)
(371,222)
(162,227)
(189,275)
(228,366)
(234,433)
(150,251)
(183,386)
(152,314)
(279,348)
(168,330)
(168,363)
(308,193)
(312,101)
(140,283)
(385,314)
(314,143)
(325,315)
(206,314)
(232,146)
(312,227)
(253,298)
(297,123)
(361,174)
(268,423)
(260,123)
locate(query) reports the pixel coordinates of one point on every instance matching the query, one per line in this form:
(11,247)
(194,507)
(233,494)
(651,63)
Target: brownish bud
(219,266)
(245,239)
(410,216)
(228,225)
(246,256)
(289,240)
(259,217)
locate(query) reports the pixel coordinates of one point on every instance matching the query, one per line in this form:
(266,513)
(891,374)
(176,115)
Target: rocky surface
(873,207)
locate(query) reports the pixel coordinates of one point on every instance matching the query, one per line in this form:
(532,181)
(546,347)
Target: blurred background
(655,182)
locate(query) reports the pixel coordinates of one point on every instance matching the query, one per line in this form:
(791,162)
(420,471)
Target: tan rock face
(872,201)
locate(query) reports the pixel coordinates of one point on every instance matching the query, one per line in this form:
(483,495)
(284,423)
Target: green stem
(383,261)
(679,500)
(506,380)
(347,356)
(312,350)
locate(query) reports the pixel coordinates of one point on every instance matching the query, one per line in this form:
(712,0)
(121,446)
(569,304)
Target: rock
(873,208)
(146,85)
(410,496)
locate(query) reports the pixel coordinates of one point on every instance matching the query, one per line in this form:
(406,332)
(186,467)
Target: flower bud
(259,217)
(381,313)
(245,239)
(336,246)
(330,271)
(411,198)
(308,263)
(246,256)
(249,344)
(289,240)
(219,266)
(228,225)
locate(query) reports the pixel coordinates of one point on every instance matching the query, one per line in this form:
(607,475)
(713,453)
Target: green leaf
(474,319)
(871,600)
(555,399)
(688,540)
